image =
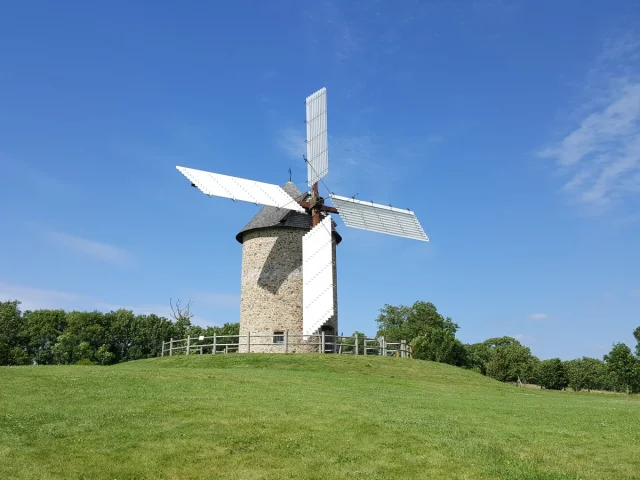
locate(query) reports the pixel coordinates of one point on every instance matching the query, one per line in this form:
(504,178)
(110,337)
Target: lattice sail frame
(379,218)
(317,139)
(237,188)
(317,274)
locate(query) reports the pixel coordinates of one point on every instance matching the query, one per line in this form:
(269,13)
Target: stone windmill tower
(289,279)
(271,300)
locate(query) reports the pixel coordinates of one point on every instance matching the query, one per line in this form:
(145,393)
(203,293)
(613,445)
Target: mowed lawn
(304,417)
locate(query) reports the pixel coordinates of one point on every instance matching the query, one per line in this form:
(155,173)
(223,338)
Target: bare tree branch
(179,312)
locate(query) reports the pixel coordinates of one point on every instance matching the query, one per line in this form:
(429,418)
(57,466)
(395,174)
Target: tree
(587,373)
(11,338)
(478,355)
(89,327)
(64,350)
(393,322)
(623,368)
(42,328)
(438,345)
(552,374)
(431,335)
(508,360)
(406,323)
(636,333)
(57,337)
(104,356)
(122,335)
(182,317)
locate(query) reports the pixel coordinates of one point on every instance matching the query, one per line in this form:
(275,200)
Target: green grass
(304,417)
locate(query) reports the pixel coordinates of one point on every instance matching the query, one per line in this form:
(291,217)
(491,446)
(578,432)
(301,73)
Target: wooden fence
(285,342)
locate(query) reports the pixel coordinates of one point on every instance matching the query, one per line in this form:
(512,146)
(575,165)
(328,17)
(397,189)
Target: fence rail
(285,342)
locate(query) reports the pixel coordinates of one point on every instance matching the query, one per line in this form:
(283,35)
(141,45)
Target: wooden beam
(307,205)
(315,212)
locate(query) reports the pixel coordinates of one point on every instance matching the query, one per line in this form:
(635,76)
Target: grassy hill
(305,417)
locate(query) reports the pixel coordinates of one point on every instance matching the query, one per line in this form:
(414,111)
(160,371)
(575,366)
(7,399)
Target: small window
(278,337)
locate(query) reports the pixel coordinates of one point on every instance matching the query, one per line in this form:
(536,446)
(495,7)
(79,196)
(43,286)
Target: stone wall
(271,288)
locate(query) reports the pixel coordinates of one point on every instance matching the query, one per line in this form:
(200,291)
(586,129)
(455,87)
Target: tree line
(56,337)
(50,337)
(433,337)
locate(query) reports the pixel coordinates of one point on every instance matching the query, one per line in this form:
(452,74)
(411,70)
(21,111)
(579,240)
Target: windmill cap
(273,217)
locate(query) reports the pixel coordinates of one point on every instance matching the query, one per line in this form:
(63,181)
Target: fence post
(248,341)
(286,341)
(162,354)
(364,346)
(403,348)
(213,352)
(171,346)
(356,350)
(322,342)
(188,343)
(381,347)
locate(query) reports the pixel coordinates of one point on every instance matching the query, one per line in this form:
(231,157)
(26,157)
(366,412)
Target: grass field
(304,417)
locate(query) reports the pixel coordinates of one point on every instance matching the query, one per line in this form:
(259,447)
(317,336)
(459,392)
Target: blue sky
(511,129)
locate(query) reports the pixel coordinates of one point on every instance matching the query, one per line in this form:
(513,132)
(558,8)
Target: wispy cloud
(36,177)
(292,142)
(600,156)
(363,156)
(218,300)
(600,348)
(37,298)
(497,11)
(538,316)
(205,305)
(101,251)
(525,339)
(328,24)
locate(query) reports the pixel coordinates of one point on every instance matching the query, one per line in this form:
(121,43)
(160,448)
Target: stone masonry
(271,289)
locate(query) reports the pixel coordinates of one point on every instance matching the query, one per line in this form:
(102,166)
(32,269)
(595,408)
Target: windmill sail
(317,141)
(236,188)
(317,273)
(379,218)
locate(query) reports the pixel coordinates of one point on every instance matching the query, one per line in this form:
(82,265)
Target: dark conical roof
(270,217)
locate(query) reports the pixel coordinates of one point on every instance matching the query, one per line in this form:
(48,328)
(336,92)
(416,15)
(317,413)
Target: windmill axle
(316,205)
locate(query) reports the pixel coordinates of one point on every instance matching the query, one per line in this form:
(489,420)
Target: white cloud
(102,251)
(600,156)
(538,316)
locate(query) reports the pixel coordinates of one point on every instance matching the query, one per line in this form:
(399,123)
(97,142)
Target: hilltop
(304,416)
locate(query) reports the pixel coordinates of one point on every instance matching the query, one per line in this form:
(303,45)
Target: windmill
(318,266)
